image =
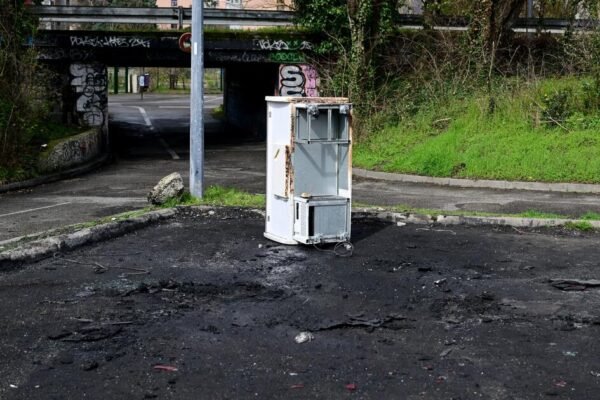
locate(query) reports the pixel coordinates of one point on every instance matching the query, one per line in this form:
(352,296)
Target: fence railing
(179,16)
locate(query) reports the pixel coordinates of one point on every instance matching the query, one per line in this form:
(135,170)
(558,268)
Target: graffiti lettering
(90,84)
(237,57)
(65,54)
(52,54)
(109,41)
(282,45)
(287,57)
(298,81)
(273,45)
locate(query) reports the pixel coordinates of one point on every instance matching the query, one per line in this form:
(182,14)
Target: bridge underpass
(80,60)
(254,66)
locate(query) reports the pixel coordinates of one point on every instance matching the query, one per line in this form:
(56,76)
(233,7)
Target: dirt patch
(202,306)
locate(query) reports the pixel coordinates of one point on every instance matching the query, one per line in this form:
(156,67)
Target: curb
(46,247)
(447,220)
(43,248)
(70,173)
(480,183)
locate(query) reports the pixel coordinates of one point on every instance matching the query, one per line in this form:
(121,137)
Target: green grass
(220,196)
(49,131)
(581,226)
(511,144)
(113,218)
(590,216)
(541,215)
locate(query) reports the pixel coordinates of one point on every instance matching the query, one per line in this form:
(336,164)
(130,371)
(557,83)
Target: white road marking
(34,209)
(162,142)
(169,150)
(145,116)
(173,106)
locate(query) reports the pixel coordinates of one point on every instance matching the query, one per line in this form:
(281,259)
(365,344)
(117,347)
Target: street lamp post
(197,103)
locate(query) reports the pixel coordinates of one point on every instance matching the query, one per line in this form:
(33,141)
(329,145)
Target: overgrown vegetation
(26,100)
(485,103)
(582,226)
(460,138)
(23,104)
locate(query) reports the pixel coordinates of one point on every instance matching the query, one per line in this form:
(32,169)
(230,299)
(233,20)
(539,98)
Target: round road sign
(185,42)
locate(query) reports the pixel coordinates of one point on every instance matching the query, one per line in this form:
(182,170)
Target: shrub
(20,91)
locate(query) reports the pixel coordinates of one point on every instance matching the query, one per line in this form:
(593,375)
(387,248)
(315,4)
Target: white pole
(197,103)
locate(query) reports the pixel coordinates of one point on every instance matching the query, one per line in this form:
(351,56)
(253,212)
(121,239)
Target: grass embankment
(547,131)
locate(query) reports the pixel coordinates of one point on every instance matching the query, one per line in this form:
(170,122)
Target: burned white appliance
(309,169)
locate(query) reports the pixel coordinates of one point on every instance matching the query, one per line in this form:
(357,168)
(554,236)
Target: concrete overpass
(255,64)
(162,48)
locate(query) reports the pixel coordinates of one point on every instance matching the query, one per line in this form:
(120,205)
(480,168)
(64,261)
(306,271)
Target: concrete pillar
(127,80)
(134,83)
(89,84)
(116,80)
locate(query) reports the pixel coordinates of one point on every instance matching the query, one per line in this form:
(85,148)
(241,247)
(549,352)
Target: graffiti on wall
(282,45)
(53,54)
(298,80)
(244,57)
(287,57)
(109,41)
(89,81)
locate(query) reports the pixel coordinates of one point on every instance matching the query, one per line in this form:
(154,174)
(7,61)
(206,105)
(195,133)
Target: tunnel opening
(156,120)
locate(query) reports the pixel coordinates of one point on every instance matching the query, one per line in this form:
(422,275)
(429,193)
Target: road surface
(151,140)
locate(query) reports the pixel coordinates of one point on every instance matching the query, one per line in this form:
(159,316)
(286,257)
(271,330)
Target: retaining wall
(73,151)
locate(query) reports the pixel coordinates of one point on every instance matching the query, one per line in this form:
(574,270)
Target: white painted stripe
(34,209)
(145,116)
(164,144)
(169,150)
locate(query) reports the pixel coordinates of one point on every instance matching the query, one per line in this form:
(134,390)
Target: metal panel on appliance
(309,187)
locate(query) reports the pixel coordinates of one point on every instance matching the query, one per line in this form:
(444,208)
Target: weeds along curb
(42,248)
(424,219)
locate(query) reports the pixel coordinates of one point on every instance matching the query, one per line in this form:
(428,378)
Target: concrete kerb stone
(480,183)
(42,248)
(447,220)
(46,247)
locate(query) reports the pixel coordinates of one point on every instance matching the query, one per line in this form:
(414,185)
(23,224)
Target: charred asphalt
(203,307)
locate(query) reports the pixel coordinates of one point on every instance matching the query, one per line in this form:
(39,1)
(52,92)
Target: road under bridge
(255,65)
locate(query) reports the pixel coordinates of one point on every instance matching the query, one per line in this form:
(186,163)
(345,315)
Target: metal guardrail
(181,16)
(173,15)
